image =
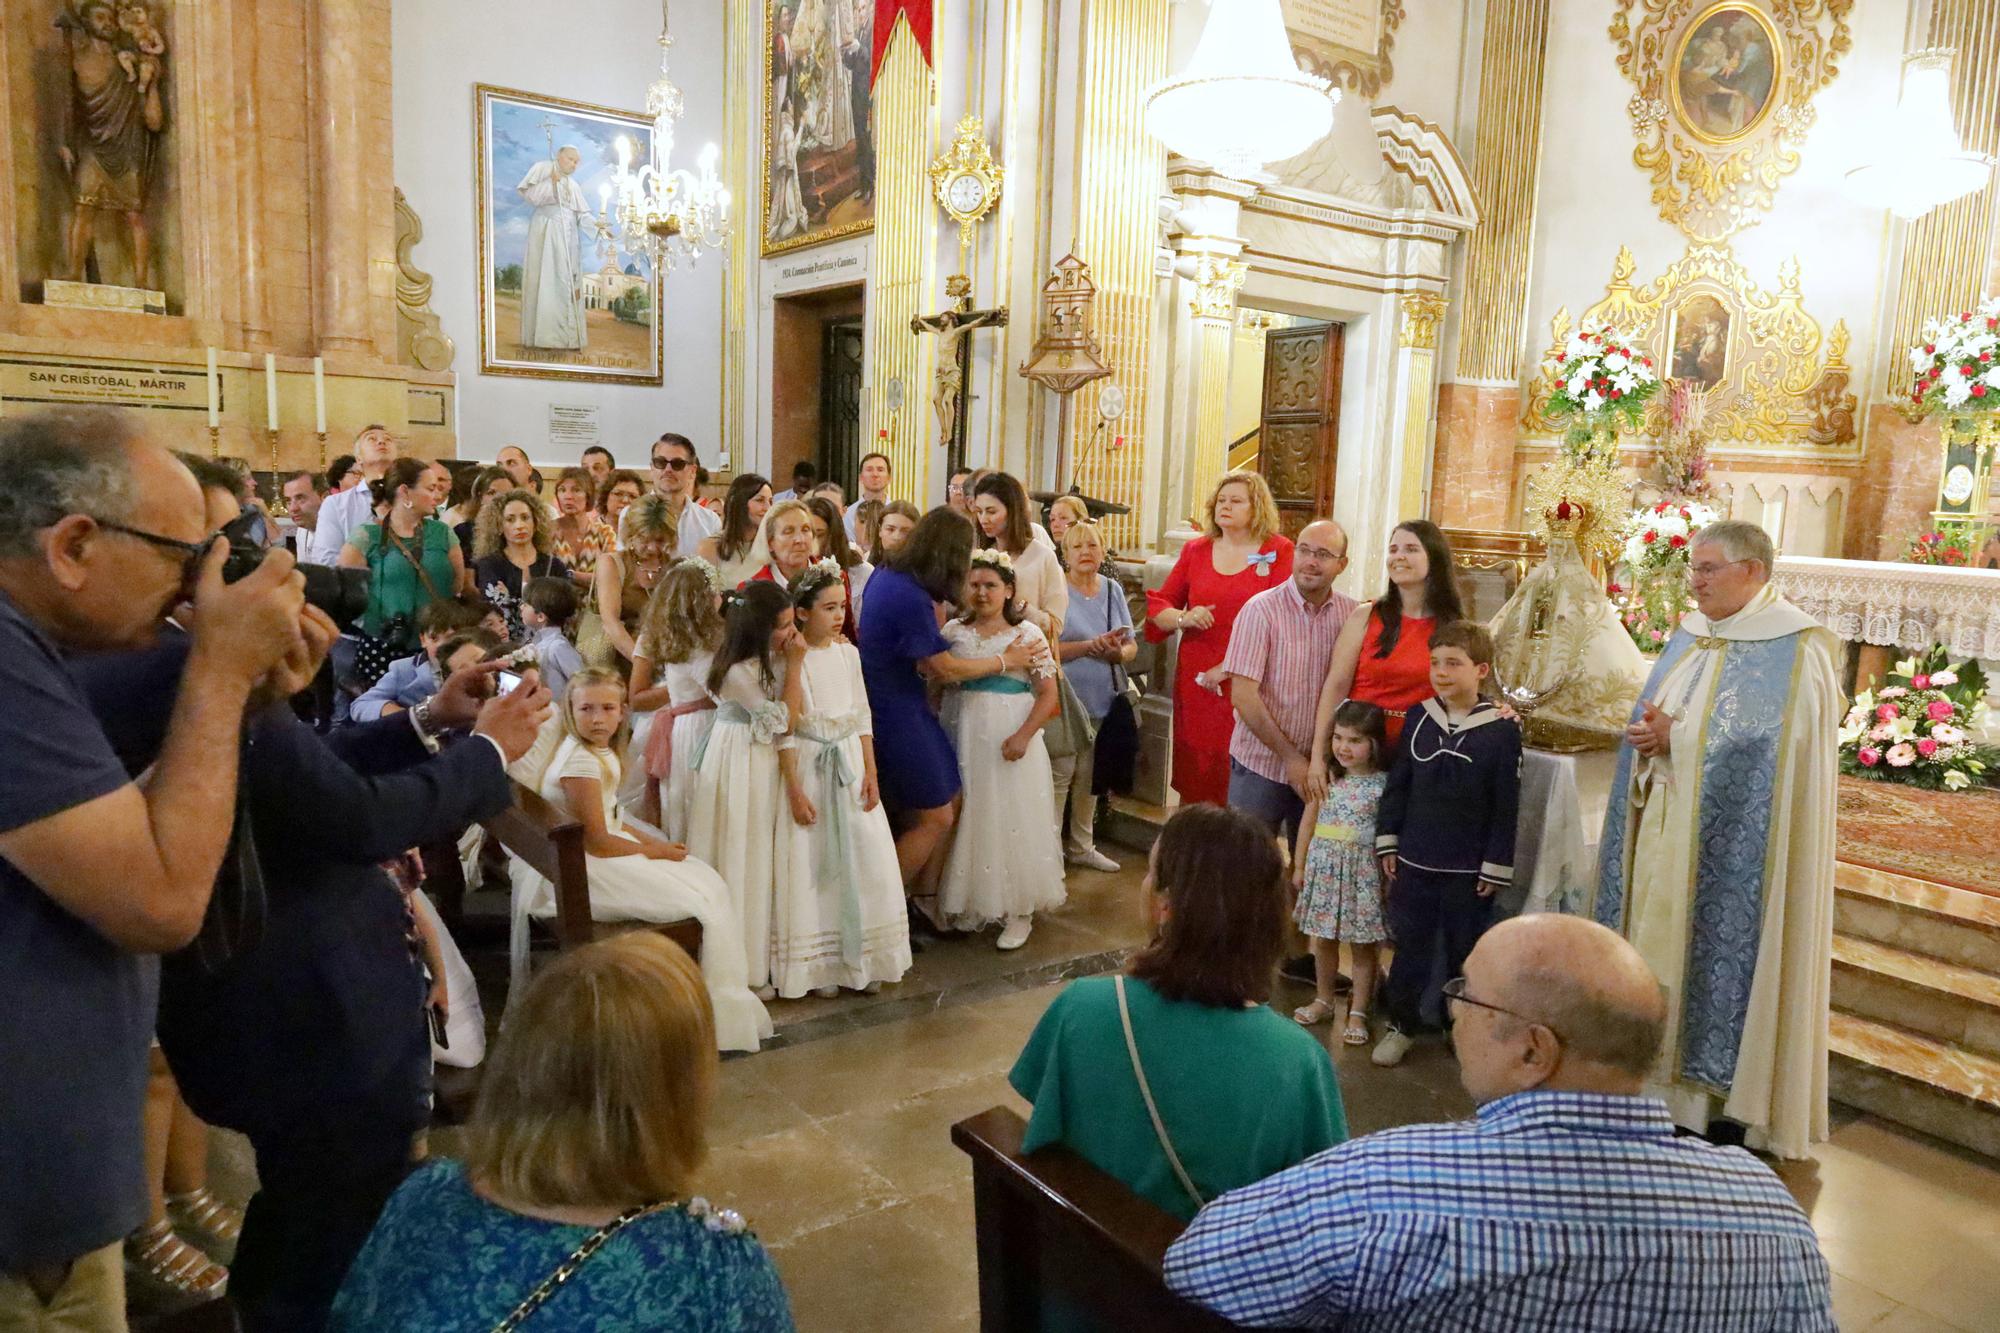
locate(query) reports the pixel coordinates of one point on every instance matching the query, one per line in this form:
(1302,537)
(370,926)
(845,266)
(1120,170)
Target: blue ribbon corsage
(1262,563)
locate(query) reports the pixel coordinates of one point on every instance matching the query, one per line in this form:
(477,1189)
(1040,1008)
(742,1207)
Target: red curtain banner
(917,13)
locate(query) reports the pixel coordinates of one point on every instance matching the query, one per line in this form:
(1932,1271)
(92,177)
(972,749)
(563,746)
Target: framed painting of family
(557,298)
(1725,79)
(819,148)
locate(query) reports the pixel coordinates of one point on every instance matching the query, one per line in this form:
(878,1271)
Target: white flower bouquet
(1601,378)
(1957,366)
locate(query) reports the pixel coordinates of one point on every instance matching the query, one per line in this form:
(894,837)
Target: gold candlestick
(215,441)
(271,433)
(322,451)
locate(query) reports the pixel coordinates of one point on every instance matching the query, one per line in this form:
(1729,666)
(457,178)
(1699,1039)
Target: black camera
(341,593)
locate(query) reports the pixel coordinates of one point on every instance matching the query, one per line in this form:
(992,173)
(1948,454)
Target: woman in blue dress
(590,1123)
(902,648)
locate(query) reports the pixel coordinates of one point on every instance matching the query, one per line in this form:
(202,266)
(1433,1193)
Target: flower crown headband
(994,556)
(821,573)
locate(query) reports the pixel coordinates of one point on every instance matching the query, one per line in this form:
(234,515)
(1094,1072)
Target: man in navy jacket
(313,1041)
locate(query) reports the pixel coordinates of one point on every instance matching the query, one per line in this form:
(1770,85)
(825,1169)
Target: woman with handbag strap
(1096,643)
(414,558)
(572,1201)
(1177,1077)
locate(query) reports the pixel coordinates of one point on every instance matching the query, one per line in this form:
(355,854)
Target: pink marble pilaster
(1472,469)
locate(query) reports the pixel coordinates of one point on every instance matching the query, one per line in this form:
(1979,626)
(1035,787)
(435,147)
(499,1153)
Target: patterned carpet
(1946,837)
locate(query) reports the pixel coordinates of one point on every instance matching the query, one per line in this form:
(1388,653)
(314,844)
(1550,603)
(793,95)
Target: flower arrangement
(1920,728)
(1600,379)
(1658,535)
(1957,366)
(1950,544)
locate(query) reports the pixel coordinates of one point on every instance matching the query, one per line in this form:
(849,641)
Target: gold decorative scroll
(1345,41)
(1423,314)
(1711,181)
(1216,282)
(1946,251)
(1777,387)
(420,336)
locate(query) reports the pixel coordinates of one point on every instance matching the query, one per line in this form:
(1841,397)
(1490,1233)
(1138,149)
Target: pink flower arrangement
(1921,726)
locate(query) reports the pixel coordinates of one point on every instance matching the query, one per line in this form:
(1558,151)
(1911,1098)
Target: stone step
(1952,924)
(1916,1080)
(1956,1005)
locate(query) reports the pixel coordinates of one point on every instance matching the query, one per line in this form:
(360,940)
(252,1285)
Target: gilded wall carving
(420,336)
(1764,370)
(1347,42)
(1724,98)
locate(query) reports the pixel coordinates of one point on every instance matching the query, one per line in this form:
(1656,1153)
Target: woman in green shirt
(1240,1091)
(415,559)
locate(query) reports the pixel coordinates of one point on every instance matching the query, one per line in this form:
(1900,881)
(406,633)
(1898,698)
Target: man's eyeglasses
(191,552)
(1319,553)
(1455,990)
(1707,571)
(677,464)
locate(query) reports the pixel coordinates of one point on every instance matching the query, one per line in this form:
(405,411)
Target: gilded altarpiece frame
(1782,381)
(1723,99)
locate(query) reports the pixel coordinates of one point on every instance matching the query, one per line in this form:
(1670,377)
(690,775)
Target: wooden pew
(552,842)
(1051,1226)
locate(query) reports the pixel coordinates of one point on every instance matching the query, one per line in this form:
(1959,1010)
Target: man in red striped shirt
(1279,653)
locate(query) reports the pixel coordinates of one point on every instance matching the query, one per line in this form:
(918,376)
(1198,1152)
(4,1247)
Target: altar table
(1897,607)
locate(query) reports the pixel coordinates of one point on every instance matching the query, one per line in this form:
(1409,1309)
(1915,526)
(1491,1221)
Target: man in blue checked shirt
(1567,1204)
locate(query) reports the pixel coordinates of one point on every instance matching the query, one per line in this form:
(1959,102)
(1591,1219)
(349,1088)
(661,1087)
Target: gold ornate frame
(1679,103)
(482,225)
(1673,329)
(767,247)
(1778,387)
(1709,187)
(1362,72)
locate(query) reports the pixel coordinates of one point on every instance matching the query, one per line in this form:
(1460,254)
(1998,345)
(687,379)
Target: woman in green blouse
(1240,1091)
(394,547)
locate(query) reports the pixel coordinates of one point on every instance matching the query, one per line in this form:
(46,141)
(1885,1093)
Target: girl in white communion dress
(635,873)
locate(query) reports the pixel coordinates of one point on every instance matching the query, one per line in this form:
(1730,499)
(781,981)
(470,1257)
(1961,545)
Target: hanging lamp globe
(1925,165)
(1242,102)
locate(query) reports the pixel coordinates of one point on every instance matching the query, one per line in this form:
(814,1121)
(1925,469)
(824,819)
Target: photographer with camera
(101,536)
(310,1035)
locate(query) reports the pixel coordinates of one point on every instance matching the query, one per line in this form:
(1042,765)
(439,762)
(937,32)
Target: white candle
(214,393)
(319,394)
(270,391)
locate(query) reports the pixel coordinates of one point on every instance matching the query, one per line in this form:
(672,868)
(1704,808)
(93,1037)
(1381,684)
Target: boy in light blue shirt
(547,607)
(411,680)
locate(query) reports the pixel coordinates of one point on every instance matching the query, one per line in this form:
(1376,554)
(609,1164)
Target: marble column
(250,204)
(341,184)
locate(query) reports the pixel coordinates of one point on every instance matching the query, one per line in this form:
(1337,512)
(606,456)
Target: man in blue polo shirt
(101,535)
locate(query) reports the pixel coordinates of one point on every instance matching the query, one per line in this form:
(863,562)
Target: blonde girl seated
(840,919)
(1339,884)
(635,873)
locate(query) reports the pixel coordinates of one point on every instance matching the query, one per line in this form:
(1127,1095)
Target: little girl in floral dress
(1339,884)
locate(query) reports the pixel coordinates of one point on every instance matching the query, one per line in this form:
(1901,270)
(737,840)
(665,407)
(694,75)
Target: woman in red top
(788,531)
(1240,555)
(1384,658)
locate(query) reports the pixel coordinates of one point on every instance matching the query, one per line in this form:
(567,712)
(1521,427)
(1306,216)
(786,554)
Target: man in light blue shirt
(1567,1204)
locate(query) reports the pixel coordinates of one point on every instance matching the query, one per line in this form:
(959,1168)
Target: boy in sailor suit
(1445,833)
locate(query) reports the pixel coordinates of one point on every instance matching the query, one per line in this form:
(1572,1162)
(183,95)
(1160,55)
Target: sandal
(1312,1015)
(210,1222)
(173,1263)
(1356,1031)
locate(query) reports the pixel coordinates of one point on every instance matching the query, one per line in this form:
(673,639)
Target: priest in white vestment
(1718,848)
(551,293)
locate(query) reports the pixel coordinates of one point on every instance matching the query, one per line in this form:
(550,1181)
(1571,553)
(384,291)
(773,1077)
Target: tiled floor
(834,1143)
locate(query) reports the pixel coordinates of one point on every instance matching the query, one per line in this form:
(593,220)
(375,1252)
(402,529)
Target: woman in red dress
(1240,554)
(1384,657)
(789,532)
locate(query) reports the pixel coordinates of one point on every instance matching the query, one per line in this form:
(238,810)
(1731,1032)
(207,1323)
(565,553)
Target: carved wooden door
(1299,427)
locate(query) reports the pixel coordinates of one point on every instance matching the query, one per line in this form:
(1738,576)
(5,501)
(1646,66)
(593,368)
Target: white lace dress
(633,888)
(687,683)
(737,800)
(838,919)
(1005,857)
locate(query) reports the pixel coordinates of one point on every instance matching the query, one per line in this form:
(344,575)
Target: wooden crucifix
(954,327)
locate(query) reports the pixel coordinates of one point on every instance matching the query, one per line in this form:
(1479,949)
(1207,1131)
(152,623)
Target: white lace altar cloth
(1897,605)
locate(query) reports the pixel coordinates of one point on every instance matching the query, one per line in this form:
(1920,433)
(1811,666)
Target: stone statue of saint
(115,114)
(551,295)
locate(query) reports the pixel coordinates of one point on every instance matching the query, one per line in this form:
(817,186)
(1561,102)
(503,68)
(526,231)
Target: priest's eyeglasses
(1455,990)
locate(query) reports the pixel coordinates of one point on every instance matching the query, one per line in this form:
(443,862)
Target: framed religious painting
(819,148)
(1698,334)
(1724,79)
(557,298)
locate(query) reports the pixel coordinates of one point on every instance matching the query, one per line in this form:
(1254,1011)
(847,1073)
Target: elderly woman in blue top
(1567,1204)
(590,1124)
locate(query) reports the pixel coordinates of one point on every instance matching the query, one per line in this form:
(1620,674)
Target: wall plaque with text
(39,380)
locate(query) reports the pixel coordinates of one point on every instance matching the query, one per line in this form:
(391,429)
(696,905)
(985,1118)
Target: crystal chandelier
(1242,102)
(660,212)
(1925,164)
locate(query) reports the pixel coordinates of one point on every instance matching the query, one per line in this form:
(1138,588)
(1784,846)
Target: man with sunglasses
(1567,1202)
(101,536)
(675,465)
